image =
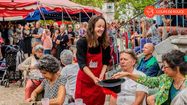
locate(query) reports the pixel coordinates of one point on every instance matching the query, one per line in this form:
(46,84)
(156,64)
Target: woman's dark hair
(90,36)
(176,58)
(49,64)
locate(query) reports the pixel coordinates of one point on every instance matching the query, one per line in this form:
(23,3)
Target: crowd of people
(73,72)
(66,63)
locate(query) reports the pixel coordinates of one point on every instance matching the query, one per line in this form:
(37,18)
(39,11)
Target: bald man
(148,64)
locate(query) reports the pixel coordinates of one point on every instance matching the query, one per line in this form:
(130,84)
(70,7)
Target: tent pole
(80,17)
(86,13)
(68,14)
(42,14)
(62,15)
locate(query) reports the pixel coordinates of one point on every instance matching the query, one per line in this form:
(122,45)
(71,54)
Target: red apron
(86,89)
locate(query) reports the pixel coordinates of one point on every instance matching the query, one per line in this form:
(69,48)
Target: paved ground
(12,95)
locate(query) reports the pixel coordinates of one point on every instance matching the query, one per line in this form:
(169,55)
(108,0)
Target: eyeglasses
(165,67)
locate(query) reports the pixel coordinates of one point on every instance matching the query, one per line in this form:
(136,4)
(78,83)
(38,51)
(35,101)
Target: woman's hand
(120,74)
(101,77)
(30,99)
(57,41)
(96,80)
(32,67)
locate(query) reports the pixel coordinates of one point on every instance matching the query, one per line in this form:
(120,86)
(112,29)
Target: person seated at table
(53,84)
(31,73)
(69,72)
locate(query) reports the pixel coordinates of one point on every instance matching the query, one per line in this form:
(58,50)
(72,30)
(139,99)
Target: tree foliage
(136,6)
(121,6)
(93,3)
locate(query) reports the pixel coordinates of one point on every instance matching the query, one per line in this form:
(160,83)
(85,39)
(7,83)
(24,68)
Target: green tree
(94,3)
(121,6)
(135,6)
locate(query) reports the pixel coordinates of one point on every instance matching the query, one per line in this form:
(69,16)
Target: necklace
(180,84)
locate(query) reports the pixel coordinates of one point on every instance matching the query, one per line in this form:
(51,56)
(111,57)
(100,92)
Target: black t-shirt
(82,50)
(35,31)
(71,36)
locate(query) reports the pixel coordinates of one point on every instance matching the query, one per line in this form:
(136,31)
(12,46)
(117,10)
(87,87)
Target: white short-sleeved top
(129,89)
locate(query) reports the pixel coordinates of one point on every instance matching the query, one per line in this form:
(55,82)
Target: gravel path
(12,95)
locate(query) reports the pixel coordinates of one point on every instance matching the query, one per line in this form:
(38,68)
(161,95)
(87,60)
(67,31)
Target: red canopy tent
(18,9)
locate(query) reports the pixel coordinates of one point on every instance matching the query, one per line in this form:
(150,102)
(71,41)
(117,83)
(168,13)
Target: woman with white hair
(69,72)
(29,65)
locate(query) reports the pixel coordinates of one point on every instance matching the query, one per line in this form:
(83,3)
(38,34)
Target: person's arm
(81,52)
(38,33)
(134,77)
(34,94)
(43,37)
(150,82)
(140,96)
(103,71)
(65,39)
(106,59)
(91,75)
(59,100)
(57,41)
(25,65)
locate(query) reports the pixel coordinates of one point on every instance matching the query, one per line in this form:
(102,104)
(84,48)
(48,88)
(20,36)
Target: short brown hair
(131,53)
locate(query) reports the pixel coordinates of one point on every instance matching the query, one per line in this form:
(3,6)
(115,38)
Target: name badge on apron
(93,64)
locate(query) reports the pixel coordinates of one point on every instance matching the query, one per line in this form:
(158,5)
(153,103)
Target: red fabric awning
(24,7)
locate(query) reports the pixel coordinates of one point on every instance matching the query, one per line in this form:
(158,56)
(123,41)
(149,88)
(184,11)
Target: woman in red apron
(93,55)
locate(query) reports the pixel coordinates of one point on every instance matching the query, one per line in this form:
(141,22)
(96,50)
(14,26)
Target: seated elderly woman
(28,66)
(53,84)
(69,72)
(170,83)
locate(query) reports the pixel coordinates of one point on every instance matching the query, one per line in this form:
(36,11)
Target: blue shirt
(150,66)
(173,92)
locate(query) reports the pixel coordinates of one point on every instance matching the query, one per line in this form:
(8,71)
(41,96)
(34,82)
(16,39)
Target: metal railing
(176,26)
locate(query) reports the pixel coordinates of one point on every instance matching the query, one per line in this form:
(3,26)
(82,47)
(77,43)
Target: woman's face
(62,29)
(126,61)
(26,27)
(168,70)
(70,28)
(39,53)
(57,31)
(99,27)
(47,75)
